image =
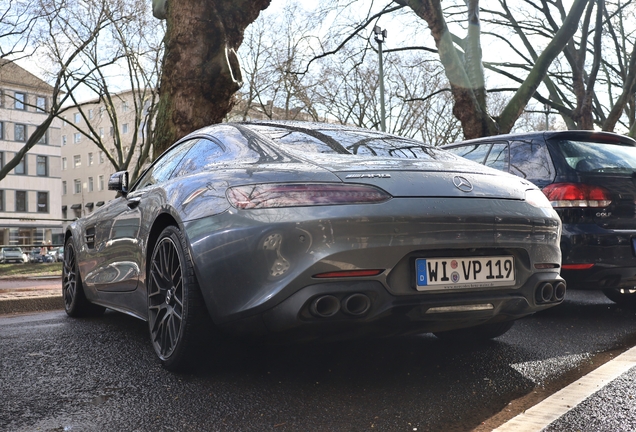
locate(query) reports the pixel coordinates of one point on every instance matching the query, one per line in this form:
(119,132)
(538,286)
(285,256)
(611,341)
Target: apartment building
(30,195)
(85,169)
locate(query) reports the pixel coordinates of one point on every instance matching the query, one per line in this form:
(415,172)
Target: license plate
(465,272)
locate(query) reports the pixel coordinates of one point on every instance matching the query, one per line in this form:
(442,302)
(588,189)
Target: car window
(201,156)
(474,152)
(160,171)
(598,157)
(498,157)
(299,141)
(531,160)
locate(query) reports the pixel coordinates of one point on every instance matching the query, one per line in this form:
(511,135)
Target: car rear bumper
(611,253)
(296,318)
(258,270)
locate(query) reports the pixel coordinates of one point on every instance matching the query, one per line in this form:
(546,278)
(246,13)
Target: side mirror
(119,182)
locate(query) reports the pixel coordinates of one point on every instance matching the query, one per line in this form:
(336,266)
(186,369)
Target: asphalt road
(63,374)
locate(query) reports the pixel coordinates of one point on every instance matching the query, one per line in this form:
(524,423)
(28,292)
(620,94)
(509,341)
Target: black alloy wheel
(75,302)
(625,297)
(176,316)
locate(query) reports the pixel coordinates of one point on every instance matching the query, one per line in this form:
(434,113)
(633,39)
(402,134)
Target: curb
(31,304)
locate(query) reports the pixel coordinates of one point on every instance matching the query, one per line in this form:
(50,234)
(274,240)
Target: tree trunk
(474,119)
(201,71)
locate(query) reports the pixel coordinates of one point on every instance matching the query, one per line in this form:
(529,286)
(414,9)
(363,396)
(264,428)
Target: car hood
(426,178)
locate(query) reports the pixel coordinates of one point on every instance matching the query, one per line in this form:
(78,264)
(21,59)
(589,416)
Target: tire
(177,318)
(478,333)
(622,296)
(75,302)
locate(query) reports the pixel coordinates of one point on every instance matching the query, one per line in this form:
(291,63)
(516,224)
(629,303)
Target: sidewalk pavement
(30,294)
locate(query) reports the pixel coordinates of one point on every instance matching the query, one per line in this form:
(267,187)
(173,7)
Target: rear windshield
(593,157)
(344,141)
(12,249)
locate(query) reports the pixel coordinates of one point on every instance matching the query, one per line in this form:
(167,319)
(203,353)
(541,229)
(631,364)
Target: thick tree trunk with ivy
(468,93)
(463,66)
(201,70)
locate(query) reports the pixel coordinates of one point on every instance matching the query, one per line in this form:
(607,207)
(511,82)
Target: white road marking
(541,415)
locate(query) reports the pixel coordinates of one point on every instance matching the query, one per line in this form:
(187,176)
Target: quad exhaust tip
(559,291)
(547,292)
(328,305)
(356,304)
(544,294)
(325,306)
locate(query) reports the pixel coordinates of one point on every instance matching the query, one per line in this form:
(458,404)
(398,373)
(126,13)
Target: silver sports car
(307,230)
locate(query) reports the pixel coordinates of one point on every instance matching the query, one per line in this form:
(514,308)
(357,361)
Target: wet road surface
(60,374)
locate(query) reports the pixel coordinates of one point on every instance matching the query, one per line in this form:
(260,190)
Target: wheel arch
(162,221)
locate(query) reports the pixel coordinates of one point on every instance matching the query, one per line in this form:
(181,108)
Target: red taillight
(576,195)
(304,194)
(349,273)
(577,266)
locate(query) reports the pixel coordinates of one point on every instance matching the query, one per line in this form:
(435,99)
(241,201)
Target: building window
(63,140)
(90,159)
(19,101)
(19,132)
(77,118)
(101,111)
(64,164)
(43,202)
(124,128)
(77,161)
(101,182)
(101,157)
(1,200)
(77,186)
(77,137)
(1,130)
(20,201)
(40,104)
(124,106)
(1,160)
(90,114)
(63,187)
(42,166)
(21,167)
(112,131)
(101,132)
(64,121)
(90,184)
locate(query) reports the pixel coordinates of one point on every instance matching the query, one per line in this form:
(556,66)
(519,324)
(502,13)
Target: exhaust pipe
(325,306)
(559,291)
(544,293)
(356,304)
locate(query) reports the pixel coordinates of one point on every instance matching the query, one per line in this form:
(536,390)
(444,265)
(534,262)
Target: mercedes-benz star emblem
(462,184)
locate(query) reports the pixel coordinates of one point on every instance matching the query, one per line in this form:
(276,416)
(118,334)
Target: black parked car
(590,179)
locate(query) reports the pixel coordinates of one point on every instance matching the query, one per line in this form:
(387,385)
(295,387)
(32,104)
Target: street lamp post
(380,36)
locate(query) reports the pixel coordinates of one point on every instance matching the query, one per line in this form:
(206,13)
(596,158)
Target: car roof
(579,135)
